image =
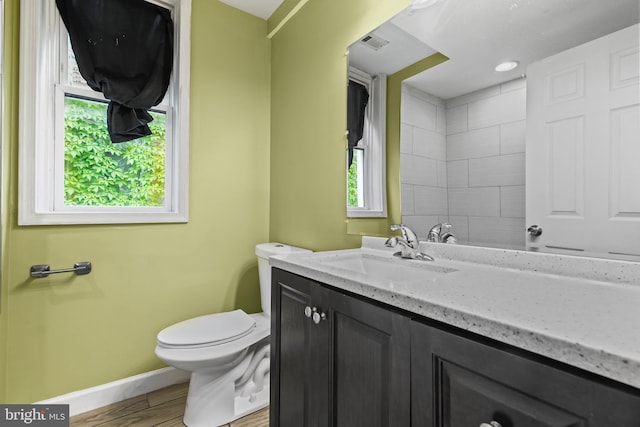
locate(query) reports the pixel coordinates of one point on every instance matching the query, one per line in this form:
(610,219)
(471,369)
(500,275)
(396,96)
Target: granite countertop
(581,311)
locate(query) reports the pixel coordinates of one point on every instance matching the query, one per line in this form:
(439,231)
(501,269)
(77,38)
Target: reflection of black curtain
(124,49)
(357,98)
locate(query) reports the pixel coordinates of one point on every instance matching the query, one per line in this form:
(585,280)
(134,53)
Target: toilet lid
(209,330)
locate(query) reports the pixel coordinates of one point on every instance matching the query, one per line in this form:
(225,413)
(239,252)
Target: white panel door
(583,147)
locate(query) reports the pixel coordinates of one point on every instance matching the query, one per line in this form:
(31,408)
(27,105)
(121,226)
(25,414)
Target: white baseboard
(96,397)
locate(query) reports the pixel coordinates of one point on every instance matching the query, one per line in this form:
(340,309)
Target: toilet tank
(264,251)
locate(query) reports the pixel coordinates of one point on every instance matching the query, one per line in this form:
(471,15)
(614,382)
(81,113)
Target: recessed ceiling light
(506,66)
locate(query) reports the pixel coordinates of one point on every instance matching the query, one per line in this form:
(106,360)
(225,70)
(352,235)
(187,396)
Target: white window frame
(42,91)
(374,144)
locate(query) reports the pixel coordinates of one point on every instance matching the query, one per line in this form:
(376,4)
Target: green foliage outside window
(352,184)
(100,173)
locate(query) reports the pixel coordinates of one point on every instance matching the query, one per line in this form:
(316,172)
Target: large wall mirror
(551,141)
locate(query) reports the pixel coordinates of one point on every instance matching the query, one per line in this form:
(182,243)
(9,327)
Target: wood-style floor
(161,408)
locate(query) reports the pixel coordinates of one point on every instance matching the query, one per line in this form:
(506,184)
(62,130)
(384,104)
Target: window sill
(68,218)
(365,214)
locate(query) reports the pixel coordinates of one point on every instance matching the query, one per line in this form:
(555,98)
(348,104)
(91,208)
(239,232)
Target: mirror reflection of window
(357,121)
(365,157)
(355,179)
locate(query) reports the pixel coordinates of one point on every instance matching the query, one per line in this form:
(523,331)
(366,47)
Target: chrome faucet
(410,238)
(409,245)
(441,233)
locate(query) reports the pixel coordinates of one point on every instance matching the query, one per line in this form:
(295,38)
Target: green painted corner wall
(278,16)
(68,333)
(308,122)
(9,120)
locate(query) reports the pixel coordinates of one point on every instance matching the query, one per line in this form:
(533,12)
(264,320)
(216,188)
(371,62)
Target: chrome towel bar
(44,270)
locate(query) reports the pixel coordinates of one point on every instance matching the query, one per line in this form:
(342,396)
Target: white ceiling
(260,8)
(390,58)
(477,35)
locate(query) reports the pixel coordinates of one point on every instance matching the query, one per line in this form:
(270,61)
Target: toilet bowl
(226,353)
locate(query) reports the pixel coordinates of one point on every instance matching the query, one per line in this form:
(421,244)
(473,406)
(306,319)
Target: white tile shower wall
(460,227)
(418,170)
(474,143)
(497,171)
(482,201)
(485,164)
(458,174)
(406,190)
(429,200)
(423,171)
(512,201)
(498,231)
(512,137)
(456,118)
(505,108)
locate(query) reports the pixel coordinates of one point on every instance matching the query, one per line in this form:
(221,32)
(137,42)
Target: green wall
(9,130)
(68,333)
(308,122)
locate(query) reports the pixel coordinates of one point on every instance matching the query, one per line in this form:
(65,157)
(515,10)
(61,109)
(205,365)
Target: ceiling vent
(374,42)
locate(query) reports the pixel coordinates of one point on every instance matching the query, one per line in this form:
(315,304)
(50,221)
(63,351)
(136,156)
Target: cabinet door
(369,354)
(459,382)
(348,365)
(298,383)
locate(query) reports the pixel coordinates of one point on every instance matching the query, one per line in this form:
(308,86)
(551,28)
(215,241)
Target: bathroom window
(366,182)
(70,171)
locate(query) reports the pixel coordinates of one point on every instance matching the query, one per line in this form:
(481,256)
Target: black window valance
(357,99)
(124,49)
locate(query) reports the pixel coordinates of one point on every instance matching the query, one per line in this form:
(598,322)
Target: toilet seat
(183,357)
(207,331)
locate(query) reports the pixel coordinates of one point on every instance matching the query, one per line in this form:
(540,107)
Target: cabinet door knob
(308,311)
(318,317)
(491,424)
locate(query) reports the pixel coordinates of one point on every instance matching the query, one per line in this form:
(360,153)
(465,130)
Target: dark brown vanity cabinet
(336,360)
(344,361)
(459,382)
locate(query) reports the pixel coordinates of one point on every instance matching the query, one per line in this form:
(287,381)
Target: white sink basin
(384,267)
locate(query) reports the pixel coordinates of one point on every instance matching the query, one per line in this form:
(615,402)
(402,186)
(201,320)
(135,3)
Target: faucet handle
(438,227)
(445,228)
(391,242)
(441,232)
(410,237)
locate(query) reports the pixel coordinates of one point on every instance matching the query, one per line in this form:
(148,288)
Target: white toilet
(226,353)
